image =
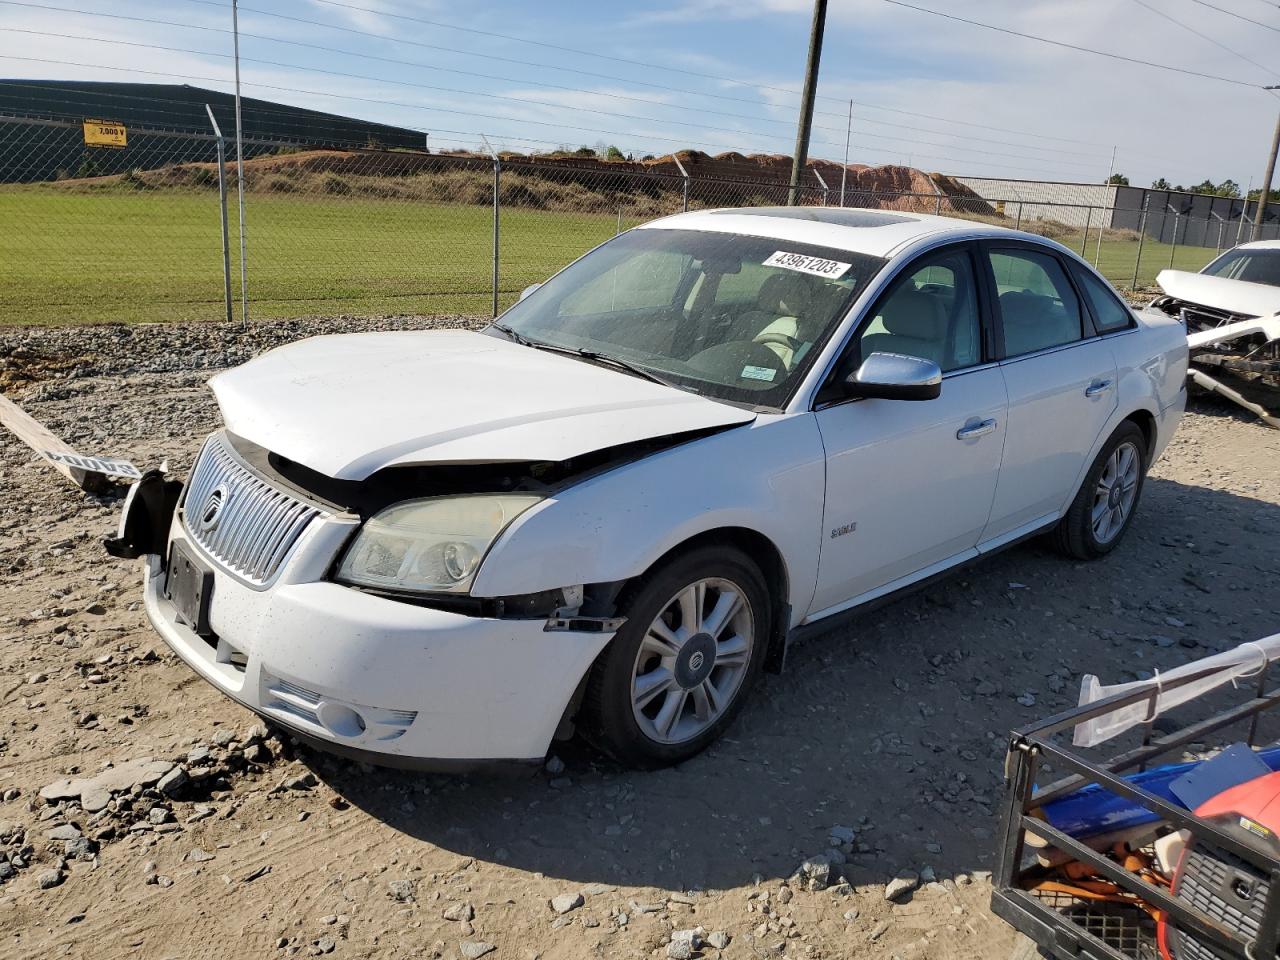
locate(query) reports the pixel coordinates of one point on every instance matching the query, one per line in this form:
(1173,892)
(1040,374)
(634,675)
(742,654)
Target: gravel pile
(33,354)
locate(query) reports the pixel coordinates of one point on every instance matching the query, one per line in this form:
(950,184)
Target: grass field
(86,256)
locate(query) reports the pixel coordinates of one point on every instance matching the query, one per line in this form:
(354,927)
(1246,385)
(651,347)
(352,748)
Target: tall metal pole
(222,210)
(1142,236)
(1266,178)
(1244,211)
(497,215)
(801,156)
(1097,251)
(844,171)
(244,295)
(684,202)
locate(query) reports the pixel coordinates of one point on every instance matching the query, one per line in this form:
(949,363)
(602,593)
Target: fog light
(340,719)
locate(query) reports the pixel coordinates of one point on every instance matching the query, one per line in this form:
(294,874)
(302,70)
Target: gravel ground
(881,746)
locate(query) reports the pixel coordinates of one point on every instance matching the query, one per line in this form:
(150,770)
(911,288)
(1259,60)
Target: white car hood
(1222,293)
(349,405)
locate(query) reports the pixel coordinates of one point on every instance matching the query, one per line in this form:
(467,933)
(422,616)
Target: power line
(647,66)
(489,56)
(428,66)
(982,126)
(369,56)
(545,66)
(1238,16)
(946,120)
(1222,46)
(524,100)
(375,79)
(1072,46)
(539,83)
(625,136)
(543,83)
(553,46)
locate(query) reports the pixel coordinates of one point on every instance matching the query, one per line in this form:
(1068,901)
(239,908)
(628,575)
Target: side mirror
(892,376)
(528,290)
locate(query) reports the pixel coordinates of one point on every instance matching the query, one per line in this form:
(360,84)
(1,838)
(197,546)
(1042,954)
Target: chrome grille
(253,525)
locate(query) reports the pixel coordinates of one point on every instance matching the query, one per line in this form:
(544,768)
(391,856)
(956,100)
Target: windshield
(732,317)
(1259,265)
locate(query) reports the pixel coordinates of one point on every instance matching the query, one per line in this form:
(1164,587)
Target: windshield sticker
(819,267)
(759,373)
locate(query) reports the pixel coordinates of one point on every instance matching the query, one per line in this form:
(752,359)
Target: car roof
(1260,245)
(878,233)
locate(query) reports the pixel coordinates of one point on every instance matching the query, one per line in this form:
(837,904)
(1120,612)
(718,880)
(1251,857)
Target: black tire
(1074,534)
(608,719)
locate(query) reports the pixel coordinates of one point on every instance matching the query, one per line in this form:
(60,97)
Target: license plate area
(189,586)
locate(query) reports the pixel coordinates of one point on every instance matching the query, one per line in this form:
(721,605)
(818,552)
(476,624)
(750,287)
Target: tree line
(1227,188)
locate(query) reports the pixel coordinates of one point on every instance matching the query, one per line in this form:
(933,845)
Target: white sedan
(619,503)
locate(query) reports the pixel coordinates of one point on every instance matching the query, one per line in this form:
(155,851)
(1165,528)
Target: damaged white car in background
(617,504)
(1231,309)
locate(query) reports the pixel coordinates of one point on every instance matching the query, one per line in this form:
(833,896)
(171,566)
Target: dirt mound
(569,182)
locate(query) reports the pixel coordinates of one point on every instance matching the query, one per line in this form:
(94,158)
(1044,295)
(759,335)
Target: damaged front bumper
(378,679)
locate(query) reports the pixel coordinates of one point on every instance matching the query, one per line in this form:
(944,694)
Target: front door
(910,483)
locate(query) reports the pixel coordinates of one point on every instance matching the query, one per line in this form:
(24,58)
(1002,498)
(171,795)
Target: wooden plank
(40,439)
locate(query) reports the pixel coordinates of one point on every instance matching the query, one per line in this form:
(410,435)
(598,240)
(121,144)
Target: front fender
(767,476)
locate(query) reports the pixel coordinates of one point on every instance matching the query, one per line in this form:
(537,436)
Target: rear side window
(1109,314)
(1038,306)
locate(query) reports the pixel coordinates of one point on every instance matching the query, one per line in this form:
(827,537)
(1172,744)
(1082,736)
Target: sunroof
(842,217)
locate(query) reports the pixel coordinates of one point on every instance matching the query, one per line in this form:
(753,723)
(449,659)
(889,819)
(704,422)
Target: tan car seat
(787,297)
(913,324)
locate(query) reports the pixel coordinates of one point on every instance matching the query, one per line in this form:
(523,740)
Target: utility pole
(801,156)
(1266,178)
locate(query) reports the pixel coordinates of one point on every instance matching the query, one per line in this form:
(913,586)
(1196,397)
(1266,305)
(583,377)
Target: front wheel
(1104,507)
(680,668)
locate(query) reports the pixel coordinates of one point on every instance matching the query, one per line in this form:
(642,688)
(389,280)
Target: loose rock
(566,902)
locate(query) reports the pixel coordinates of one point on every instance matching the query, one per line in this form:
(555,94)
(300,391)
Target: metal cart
(1073,928)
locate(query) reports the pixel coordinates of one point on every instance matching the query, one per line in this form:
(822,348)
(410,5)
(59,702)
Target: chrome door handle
(1097,388)
(979,429)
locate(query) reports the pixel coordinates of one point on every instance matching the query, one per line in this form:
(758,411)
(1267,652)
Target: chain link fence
(137,233)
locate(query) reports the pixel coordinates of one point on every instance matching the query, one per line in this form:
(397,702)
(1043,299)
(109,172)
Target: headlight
(430,546)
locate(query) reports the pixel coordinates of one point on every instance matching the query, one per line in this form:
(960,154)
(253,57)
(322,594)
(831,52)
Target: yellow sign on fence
(105,133)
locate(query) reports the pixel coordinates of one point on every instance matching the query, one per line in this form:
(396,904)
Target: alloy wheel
(1116,490)
(692,660)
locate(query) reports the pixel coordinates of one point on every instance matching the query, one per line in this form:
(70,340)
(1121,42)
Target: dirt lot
(892,729)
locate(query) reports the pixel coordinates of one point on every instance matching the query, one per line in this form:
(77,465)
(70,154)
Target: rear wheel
(1104,506)
(681,667)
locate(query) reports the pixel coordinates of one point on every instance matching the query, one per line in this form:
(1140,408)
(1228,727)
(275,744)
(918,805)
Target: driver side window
(931,312)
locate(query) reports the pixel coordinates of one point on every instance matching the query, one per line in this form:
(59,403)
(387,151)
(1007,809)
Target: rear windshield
(1256,266)
(733,317)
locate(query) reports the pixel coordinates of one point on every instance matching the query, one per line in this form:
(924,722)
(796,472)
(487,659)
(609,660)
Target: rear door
(1061,381)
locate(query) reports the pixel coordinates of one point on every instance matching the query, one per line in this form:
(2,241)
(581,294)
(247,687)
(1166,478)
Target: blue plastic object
(1094,810)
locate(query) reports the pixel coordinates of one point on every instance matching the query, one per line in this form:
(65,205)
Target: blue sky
(1008,107)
